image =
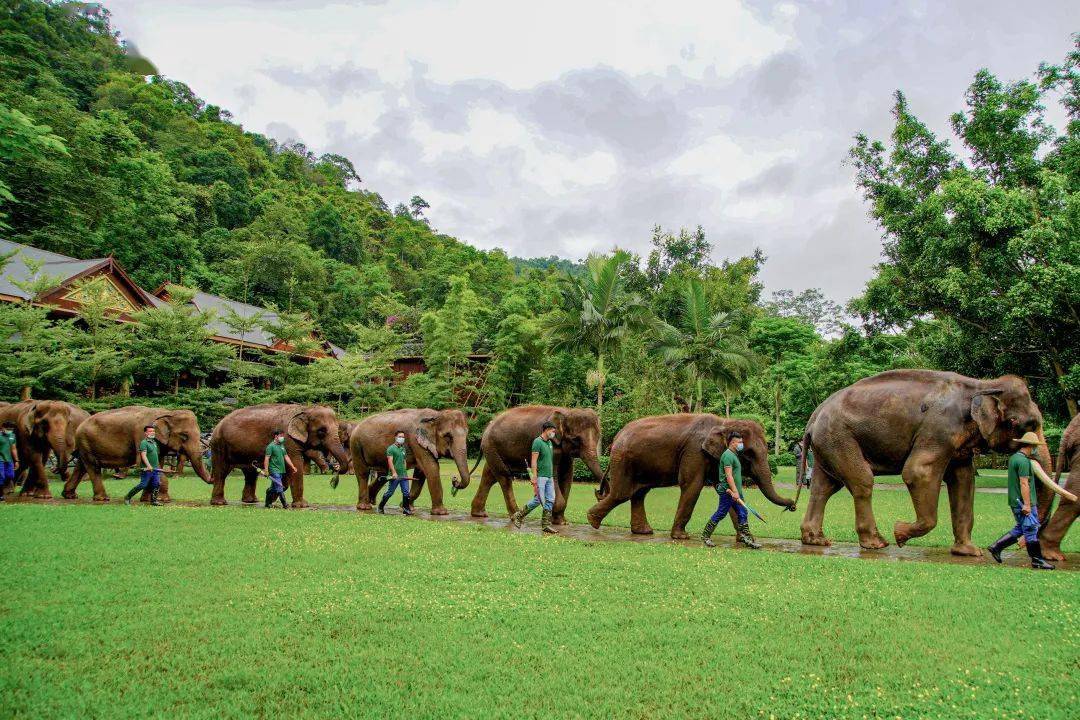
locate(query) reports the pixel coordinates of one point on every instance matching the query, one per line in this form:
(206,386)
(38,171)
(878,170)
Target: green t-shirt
(730,460)
(397,453)
(7,439)
(543,451)
(149,447)
(1020,466)
(276,453)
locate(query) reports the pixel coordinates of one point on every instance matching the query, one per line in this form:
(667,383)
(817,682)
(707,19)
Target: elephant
(241,437)
(110,439)
(41,427)
(925,425)
(429,435)
(507,444)
(684,450)
(1053,533)
(345,429)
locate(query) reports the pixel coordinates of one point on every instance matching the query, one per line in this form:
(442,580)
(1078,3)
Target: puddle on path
(1013,557)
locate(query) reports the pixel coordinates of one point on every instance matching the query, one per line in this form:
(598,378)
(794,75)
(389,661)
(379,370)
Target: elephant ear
(29,419)
(424,431)
(986,412)
(297,429)
(163,428)
(714,443)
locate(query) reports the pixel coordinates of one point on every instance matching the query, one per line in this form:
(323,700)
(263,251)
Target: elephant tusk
(1048,481)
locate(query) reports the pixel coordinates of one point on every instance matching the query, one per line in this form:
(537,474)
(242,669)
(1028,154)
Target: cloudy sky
(570,126)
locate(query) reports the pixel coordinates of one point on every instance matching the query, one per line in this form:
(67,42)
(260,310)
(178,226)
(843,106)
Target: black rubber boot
(1000,544)
(281,497)
(154,498)
(1038,562)
(406,507)
(269,499)
(382,504)
(706,534)
(746,538)
(130,494)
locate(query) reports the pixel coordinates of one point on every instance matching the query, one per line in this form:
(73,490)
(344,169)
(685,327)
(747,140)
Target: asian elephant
(318,457)
(429,435)
(41,427)
(110,439)
(1053,533)
(241,437)
(924,424)
(507,445)
(683,450)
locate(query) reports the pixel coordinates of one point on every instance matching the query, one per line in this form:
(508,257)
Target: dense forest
(979,272)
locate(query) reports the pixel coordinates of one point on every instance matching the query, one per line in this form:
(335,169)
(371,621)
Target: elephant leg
(620,489)
(922,474)
(1053,533)
(427,470)
(219,470)
(363,474)
(562,494)
(37,481)
(376,487)
(822,488)
(251,481)
(295,482)
(506,484)
(479,501)
(960,480)
(639,522)
(100,495)
(72,484)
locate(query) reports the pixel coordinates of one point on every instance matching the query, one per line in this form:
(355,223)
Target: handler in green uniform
(730,491)
(150,477)
(398,472)
(1023,506)
(543,481)
(275,461)
(9,456)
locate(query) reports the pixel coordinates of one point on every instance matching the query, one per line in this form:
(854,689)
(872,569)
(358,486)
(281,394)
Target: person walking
(398,473)
(9,456)
(275,463)
(543,481)
(150,465)
(1023,505)
(730,490)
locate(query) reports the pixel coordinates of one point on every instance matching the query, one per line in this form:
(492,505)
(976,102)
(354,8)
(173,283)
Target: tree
(704,346)
(988,239)
(781,340)
(101,343)
(449,335)
(417,206)
(810,305)
(296,332)
(596,314)
(21,138)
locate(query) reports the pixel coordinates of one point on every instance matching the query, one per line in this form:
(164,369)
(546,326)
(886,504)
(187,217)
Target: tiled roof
(53,266)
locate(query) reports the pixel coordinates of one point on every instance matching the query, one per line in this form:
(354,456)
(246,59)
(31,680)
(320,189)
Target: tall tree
(785,342)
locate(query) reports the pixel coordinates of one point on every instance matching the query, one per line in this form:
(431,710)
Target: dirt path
(1013,557)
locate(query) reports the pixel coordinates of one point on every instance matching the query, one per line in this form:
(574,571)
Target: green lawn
(111,611)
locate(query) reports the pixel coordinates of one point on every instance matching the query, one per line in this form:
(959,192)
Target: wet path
(1013,557)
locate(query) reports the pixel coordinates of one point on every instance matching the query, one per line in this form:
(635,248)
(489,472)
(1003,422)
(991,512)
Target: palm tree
(704,346)
(597,313)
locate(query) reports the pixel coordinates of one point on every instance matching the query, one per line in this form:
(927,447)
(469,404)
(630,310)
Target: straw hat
(1029,438)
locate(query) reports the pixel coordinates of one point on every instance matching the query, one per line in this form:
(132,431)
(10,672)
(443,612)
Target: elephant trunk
(461,459)
(763,475)
(195,458)
(341,455)
(59,444)
(592,461)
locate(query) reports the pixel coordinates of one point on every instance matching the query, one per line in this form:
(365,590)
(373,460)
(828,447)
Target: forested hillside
(97,160)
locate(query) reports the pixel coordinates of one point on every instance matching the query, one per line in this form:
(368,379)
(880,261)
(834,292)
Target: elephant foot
(1053,553)
(594,520)
(102,498)
(642,530)
(70,495)
(815,537)
(363,507)
(164,497)
(301,503)
(479,513)
(965,549)
(249,500)
(43,494)
(559,520)
(679,535)
(218,501)
(439,511)
(874,542)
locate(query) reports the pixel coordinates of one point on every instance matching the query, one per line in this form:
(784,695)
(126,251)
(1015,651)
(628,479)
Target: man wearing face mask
(275,460)
(731,493)
(542,475)
(151,468)
(398,474)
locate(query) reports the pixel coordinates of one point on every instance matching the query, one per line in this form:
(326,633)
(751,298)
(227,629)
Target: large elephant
(1053,532)
(241,437)
(507,445)
(429,435)
(318,457)
(683,450)
(924,424)
(110,439)
(41,427)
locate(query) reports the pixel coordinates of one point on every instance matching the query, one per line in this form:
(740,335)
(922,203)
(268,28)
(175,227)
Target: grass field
(110,611)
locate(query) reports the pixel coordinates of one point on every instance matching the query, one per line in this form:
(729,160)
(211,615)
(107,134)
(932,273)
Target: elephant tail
(1059,466)
(602,490)
(800,471)
(477,463)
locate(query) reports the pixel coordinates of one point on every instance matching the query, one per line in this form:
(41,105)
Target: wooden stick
(1048,482)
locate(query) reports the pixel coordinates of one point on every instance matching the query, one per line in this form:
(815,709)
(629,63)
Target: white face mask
(739,447)
(279,439)
(400,440)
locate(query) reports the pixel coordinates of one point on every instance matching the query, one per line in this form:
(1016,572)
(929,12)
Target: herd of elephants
(924,425)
